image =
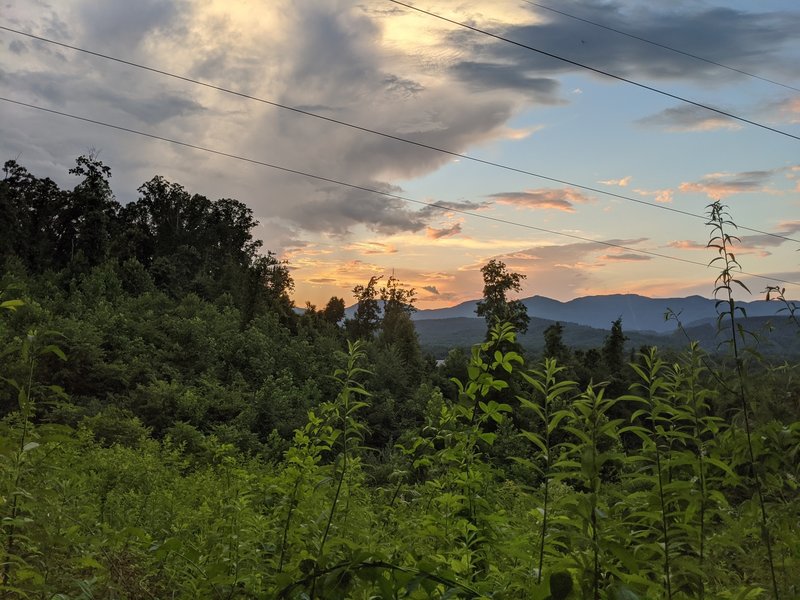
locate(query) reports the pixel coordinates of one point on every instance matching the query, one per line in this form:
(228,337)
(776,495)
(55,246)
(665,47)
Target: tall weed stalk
(722,241)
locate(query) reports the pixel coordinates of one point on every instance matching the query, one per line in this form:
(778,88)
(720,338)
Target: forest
(173,427)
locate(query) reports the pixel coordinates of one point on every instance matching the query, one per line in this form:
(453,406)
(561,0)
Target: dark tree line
(168,238)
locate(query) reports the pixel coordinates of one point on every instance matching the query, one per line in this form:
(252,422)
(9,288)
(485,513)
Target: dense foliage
(171,428)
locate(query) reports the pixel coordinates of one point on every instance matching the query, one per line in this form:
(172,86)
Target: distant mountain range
(587,321)
(638,313)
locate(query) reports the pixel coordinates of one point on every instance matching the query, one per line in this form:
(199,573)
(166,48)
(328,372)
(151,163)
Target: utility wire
(664,46)
(434,205)
(596,70)
(383,133)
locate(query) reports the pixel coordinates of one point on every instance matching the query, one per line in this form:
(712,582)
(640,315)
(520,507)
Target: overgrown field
(648,495)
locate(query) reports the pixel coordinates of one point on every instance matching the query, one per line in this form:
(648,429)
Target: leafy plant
(548,394)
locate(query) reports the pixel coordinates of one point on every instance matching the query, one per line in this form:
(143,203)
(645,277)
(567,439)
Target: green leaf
(30,446)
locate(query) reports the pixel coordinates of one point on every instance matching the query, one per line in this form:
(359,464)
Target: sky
(378,65)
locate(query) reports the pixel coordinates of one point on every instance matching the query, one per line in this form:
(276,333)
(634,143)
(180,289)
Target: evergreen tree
(554,346)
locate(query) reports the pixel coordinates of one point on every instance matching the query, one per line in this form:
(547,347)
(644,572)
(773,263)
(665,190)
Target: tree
(613,353)
(365,322)
(397,328)
(89,221)
(614,349)
(554,346)
(334,310)
(495,306)
(268,286)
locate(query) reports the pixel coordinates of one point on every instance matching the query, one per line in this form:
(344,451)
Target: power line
(664,46)
(378,192)
(382,133)
(596,70)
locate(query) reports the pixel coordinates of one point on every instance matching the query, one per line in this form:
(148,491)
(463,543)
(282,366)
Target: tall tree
(90,219)
(397,328)
(554,346)
(614,349)
(366,320)
(495,307)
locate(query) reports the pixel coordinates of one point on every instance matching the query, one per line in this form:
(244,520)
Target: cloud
(445,232)
(785,228)
(748,39)
(368,248)
(442,207)
(437,276)
(620,182)
(495,75)
(786,110)
(336,49)
(721,185)
(321,280)
(688,118)
(626,257)
(17,47)
(122,25)
(546,256)
(746,245)
(664,196)
(687,245)
(544,198)
(431,289)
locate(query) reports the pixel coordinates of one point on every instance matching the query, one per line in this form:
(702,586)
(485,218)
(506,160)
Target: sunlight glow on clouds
(543,198)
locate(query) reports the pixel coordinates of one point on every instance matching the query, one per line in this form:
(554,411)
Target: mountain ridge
(638,313)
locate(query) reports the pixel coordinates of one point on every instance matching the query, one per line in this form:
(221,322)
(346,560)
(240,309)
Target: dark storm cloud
(725,35)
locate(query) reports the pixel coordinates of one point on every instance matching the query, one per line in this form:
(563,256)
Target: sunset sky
(381,66)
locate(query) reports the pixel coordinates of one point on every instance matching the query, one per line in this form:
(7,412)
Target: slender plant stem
(718,221)
(292,504)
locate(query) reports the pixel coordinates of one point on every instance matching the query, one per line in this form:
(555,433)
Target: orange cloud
(543,198)
(687,245)
(663,196)
(721,185)
(446,232)
(620,182)
(736,248)
(368,248)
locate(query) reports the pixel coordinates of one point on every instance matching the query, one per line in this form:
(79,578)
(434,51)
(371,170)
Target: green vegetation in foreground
(171,429)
